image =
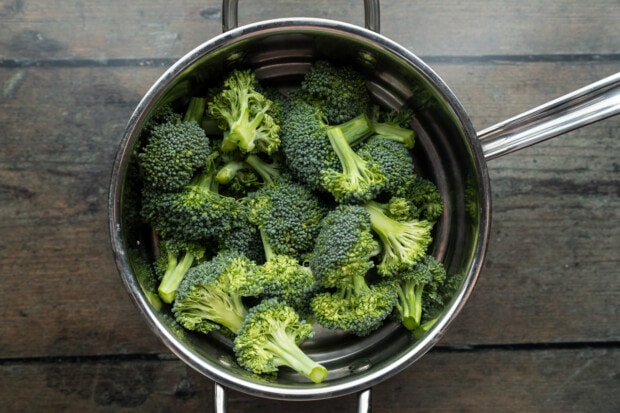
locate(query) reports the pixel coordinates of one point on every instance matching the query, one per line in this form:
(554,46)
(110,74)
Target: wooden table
(541,332)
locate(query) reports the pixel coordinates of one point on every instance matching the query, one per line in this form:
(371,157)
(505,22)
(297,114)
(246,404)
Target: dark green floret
(175,149)
(270,338)
(306,147)
(289,214)
(393,159)
(243,113)
(425,195)
(339,90)
(196,213)
(211,294)
(284,277)
(341,259)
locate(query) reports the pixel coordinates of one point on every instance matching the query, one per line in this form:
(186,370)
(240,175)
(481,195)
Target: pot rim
(339,387)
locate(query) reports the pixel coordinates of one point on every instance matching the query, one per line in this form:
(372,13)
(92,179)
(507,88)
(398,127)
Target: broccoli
(282,276)
(243,113)
(339,91)
(403,243)
(270,338)
(340,261)
(289,214)
(174,261)
(211,294)
(359,179)
(196,213)
(306,148)
(175,149)
(393,125)
(424,194)
(417,285)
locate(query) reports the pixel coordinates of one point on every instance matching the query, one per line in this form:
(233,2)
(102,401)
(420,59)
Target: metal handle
(219,404)
(230,18)
(592,103)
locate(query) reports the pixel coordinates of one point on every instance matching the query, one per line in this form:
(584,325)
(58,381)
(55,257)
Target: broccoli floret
(305,145)
(174,261)
(282,276)
(403,243)
(289,214)
(425,195)
(393,159)
(270,338)
(340,260)
(196,213)
(211,294)
(340,91)
(358,308)
(393,125)
(358,180)
(175,150)
(416,286)
(243,238)
(243,113)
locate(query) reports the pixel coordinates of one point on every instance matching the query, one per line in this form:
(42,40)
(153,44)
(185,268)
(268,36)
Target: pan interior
(445,152)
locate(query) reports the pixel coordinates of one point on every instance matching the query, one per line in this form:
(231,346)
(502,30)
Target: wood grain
(74,30)
(539,334)
(468,381)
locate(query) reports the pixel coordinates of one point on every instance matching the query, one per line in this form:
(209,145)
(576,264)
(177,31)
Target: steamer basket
(448,151)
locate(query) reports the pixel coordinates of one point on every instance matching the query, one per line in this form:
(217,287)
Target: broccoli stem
(396,133)
(356,129)
(269,253)
(289,353)
(173,276)
(349,160)
(195,109)
(268,172)
(228,171)
(409,304)
(424,327)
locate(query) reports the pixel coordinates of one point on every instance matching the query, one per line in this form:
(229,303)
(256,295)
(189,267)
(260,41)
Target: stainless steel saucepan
(448,151)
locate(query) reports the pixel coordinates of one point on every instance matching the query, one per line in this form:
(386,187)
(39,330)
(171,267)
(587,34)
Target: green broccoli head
(210,295)
(394,161)
(196,213)
(174,151)
(289,214)
(425,195)
(344,247)
(403,243)
(270,338)
(243,113)
(357,308)
(338,90)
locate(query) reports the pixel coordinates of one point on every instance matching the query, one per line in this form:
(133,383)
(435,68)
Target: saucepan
(448,151)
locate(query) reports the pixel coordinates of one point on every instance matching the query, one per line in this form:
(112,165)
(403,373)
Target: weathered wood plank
(471,381)
(33,30)
(552,263)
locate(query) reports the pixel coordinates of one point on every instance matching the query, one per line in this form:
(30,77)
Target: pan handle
(230,17)
(219,406)
(589,104)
